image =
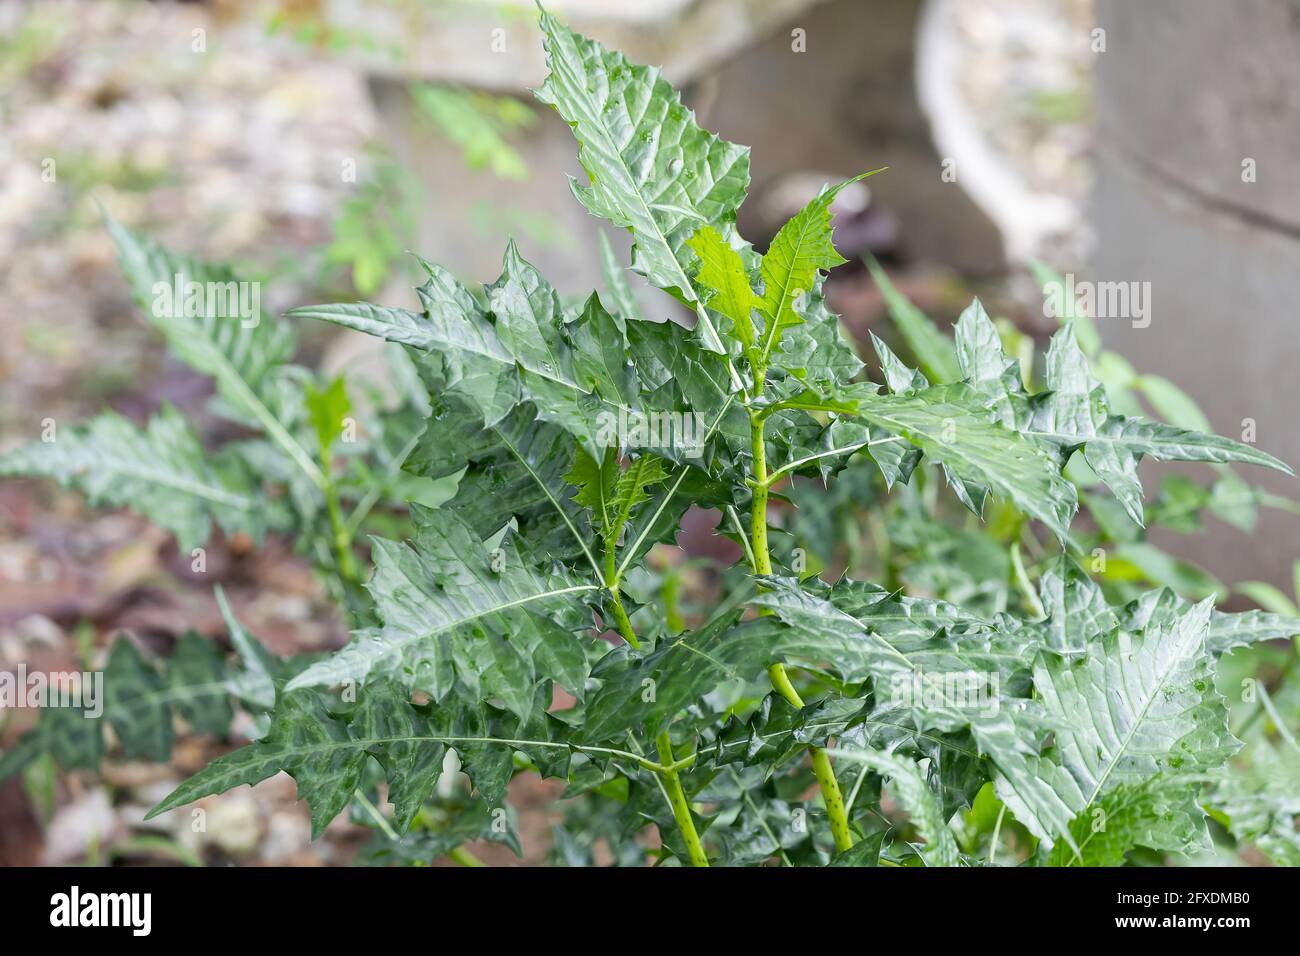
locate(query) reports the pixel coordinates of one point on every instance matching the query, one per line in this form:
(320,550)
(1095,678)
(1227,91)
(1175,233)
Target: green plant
(374,226)
(577,434)
(479,123)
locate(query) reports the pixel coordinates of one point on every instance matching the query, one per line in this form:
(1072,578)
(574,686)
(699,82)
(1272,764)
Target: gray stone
(1183,93)
(1191,88)
(495,45)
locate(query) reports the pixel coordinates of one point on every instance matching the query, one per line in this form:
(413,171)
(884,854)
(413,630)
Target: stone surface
(494,45)
(1191,88)
(1170,209)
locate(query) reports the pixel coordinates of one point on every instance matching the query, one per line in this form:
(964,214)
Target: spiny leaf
(987,368)
(1137,437)
(1077,611)
(764,826)
(1073,413)
(161,471)
(932,665)
(1137,703)
(305,741)
(652,169)
(866,852)
(660,520)
(1232,630)
(458,339)
(244,354)
(141,698)
(820,631)
(648,691)
(630,490)
(722,275)
(449,598)
(919,801)
(800,248)
(817,352)
(511,470)
(898,617)
(524,352)
(899,379)
(600,360)
(612,496)
(323,745)
(1227,631)
(1260,801)
(895,459)
(813,450)
(677,377)
(219,341)
(595,482)
(777,731)
(947,424)
(528,321)
(1160,813)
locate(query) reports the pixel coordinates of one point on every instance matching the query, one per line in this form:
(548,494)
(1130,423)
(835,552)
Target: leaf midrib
(611,146)
(171,479)
(1128,739)
(1248,456)
(785,290)
(551,498)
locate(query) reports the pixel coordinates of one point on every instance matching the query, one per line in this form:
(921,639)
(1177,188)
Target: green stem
(997,834)
(373,811)
(668,767)
(834,801)
(612,579)
(342,540)
(758,514)
(378,488)
(1282,679)
(347,565)
(821,762)
(621,619)
(781,684)
(668,592)
(462,856)
(677,799)
(1022,581)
